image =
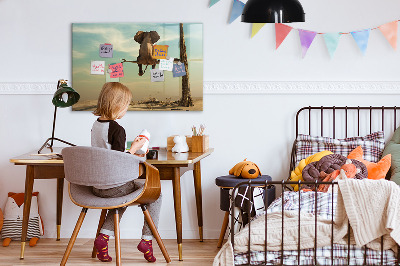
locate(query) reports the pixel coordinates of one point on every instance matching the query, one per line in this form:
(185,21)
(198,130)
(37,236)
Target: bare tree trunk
(186,99)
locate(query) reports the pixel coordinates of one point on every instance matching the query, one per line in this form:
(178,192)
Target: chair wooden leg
(101,222)
(154,230)
(73,237)
(117,238)
(223,229)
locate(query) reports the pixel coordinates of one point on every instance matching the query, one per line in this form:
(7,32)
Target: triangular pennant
(389,30)
(281,31)
(361,37)
(213,2)
(332,41)
(306,39)
(255,28)
(237,9)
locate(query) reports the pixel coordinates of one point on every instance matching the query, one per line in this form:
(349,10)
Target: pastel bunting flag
(281,31)
(361,37)
(389,30)
(256,27)
(332,41)
(306,39)
(213,2)
(237,9)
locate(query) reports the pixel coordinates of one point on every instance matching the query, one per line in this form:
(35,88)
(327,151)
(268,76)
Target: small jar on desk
(226,183)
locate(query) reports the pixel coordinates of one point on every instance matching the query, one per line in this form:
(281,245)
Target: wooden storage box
(200,143)
(171,143)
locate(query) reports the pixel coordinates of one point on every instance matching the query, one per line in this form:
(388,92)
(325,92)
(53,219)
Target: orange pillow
(375,170)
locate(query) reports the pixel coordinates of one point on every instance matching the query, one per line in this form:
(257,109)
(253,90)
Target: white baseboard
(246,87)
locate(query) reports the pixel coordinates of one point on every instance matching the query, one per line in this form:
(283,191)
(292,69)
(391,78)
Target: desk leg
(27,206)
(176,182)
(60,190)
(199,204)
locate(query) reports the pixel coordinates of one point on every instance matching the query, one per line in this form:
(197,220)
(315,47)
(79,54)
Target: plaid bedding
(323,207)
(372,145)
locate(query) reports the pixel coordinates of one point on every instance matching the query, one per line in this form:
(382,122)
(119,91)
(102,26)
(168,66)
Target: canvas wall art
(162,64)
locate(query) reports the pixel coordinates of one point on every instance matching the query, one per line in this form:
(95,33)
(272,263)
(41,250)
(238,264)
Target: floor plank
(50,252)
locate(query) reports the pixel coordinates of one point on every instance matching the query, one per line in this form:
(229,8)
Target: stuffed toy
(375,170)
(13,215)
(296,174)
(180,144)
(245,169)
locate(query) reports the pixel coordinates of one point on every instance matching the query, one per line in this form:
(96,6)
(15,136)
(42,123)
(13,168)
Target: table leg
(199,204)
(27,206)
(60,190)
(176,183)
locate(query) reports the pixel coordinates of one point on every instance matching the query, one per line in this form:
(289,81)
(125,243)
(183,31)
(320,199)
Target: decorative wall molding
(302,87)
(244,87)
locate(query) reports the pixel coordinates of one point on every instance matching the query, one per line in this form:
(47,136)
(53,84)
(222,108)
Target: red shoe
(146,247)
(101,245)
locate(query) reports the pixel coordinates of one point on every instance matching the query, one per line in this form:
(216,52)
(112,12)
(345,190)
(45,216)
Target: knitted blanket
(371,207)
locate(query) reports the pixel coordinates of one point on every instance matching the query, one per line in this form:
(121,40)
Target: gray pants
(154,208)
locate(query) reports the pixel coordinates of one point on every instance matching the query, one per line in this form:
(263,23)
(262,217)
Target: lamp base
(50,146)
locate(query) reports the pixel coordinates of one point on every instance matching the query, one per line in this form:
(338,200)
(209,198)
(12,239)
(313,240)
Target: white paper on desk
(166,64)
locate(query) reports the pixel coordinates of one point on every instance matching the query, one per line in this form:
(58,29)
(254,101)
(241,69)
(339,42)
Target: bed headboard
(344,121)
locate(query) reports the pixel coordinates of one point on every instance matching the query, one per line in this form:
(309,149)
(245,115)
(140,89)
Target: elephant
(146,40)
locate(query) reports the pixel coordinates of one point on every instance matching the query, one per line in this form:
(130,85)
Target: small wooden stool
(226,183)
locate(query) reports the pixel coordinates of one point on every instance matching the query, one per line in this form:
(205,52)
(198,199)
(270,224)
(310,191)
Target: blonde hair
(114,96)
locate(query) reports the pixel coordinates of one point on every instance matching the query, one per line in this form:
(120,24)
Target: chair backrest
(92,166)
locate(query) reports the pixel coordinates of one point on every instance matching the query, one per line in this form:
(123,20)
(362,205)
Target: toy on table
(245,169)
(144,134)
(13,215)
(180,144)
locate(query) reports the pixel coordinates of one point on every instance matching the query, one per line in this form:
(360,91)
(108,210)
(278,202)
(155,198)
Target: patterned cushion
(372,144)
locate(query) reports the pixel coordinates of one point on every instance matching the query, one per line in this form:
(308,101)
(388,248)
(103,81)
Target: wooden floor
(50,252)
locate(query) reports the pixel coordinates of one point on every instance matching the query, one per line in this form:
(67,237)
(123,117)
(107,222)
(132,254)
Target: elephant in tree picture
(146,40)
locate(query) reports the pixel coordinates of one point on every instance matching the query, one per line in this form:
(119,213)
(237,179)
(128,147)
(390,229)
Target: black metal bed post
(298,238)
(266,220)
(315,222)
(249,220)
(283,211)
(333,192)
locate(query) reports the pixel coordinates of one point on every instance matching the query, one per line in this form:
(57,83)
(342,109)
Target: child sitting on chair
(112,104)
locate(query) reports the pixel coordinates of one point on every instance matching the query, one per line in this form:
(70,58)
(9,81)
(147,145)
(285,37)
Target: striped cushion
(372,145)
(13,228)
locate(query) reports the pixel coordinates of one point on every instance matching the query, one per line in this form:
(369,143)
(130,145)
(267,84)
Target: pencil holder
(200,143)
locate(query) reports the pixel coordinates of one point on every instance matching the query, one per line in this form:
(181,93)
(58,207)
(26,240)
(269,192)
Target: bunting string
(361,37)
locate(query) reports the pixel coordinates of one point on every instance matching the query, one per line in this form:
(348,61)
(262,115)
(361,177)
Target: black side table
(226,183)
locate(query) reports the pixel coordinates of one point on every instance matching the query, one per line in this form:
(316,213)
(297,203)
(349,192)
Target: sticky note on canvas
(106,50)
(166,64)
(178,70)
(160,51)
(97,67)
(157,75)
(117,70)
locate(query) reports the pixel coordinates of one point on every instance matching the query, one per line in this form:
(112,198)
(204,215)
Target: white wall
(35,44)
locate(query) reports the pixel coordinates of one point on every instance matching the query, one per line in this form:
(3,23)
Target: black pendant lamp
(273,11)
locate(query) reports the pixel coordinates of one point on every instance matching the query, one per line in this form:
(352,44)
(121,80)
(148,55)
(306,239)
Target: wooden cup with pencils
(200,141)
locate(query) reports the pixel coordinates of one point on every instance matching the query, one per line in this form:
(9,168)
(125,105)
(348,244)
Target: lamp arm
(54,126)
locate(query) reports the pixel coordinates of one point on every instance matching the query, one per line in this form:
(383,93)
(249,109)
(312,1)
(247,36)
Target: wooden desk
(168,164)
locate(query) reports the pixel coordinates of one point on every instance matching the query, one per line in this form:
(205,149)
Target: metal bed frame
(283,184)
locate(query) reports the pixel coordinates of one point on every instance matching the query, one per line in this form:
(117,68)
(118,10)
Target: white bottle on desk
(144,134)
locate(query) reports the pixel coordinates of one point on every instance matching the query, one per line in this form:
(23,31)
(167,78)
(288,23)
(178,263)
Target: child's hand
(142,155)
(137,144)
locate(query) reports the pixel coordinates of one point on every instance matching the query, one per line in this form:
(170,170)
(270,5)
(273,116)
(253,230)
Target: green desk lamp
(64,97)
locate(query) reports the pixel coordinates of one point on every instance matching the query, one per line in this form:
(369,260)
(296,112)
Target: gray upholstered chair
(85,167)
